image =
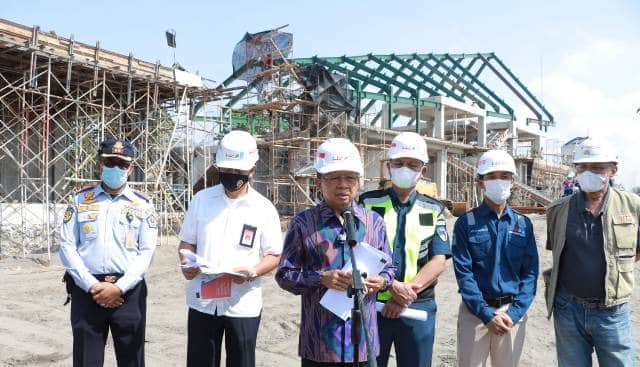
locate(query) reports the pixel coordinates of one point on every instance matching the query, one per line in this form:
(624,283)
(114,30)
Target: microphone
(349,225)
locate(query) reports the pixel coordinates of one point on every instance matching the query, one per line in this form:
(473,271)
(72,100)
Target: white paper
(408,313)
(370,260)
(205,267)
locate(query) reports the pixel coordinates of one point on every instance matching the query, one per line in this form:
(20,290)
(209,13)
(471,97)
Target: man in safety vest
(420,245)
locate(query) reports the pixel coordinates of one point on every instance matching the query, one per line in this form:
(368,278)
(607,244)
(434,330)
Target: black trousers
(204,341)
(91,324)
(310,363)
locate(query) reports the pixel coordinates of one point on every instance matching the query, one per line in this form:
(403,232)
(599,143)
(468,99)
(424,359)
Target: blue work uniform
(112,239)
(495,261)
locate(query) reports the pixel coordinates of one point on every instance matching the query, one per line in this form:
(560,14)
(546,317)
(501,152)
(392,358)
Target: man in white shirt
(234,229)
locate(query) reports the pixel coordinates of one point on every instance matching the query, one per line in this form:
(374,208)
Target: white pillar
(441,173)
(536,146)
(482,131)
(514,138)
(438,130)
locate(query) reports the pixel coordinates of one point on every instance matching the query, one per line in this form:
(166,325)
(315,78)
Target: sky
(580,58)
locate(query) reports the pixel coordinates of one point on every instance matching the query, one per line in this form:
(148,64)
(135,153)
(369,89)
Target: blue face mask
(114,177)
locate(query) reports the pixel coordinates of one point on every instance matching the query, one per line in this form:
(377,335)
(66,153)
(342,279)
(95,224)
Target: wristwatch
(385,285)
(253,273)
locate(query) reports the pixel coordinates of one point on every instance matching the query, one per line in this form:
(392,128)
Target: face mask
(114,177)
(591,182)
(233,182)
(498,191)
(404,177)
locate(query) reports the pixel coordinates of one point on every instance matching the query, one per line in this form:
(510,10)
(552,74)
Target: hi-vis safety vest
(420,227)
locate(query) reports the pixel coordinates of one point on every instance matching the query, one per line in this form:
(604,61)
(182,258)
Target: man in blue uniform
(496,264)
(108,237)
(420,245)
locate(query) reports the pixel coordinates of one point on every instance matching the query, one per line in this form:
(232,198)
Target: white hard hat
(496,160)
(571,175)
(237,150)
(408,145)
(338,154)
(593,151)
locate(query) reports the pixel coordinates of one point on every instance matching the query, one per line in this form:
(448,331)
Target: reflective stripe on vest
(420,224)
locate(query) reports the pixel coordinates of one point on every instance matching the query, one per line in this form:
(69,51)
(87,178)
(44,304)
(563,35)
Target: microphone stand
(359,321)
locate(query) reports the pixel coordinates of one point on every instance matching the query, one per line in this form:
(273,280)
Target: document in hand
(370,260)
(205,267)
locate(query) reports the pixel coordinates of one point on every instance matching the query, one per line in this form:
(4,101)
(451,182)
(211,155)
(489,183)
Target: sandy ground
(35,330)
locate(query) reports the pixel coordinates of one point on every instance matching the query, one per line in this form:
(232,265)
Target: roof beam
(481,84)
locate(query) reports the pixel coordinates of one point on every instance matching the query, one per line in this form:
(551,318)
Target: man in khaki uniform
(594,238)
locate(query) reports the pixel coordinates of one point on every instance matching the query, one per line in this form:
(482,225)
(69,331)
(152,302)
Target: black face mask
(233,182)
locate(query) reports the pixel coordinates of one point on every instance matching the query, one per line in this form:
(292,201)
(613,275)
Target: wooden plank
(49,43)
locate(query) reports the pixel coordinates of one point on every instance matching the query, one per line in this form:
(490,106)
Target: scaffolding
(58,99)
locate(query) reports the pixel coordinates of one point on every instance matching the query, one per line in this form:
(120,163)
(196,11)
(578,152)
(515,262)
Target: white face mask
(498,191)
(591,182)
(404,177)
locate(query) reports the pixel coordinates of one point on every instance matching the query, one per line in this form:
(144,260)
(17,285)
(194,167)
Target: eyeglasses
(593,168)
(411,165)
(334,179)
(112,162)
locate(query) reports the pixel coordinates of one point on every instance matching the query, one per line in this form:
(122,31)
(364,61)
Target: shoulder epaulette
(372,194)
(143,195)
(86,188)
(429,199)
(471,219)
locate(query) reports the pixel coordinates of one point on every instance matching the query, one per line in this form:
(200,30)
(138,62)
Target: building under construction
(59,98)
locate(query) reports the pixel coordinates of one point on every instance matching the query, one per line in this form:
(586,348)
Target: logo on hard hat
(321,155)
(339,158)
(233,155)
(118,147)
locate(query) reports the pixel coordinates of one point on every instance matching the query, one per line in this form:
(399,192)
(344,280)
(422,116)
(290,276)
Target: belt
(109,278)
(586,302)
(499,301)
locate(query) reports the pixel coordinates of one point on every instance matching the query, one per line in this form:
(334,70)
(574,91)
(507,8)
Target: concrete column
(536,146)
(514,138)
(385,116)
(441,173)
(482,131)
(438,131)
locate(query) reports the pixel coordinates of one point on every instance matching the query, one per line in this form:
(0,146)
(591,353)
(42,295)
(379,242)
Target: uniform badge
(152,221)
(87,228)
(248,235)
(442,233)
(68,214)
(89,197)
(92,216)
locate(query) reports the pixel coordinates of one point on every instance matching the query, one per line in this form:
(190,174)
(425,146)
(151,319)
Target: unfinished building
(59,98)
(292,105)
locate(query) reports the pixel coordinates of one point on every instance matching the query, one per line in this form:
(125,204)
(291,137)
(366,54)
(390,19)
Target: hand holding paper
(194,260)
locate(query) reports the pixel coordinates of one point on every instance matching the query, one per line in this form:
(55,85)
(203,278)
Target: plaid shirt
(312,245)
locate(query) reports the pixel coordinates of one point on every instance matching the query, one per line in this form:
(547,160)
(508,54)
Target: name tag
(219,288)
(248,235)
(623,219)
